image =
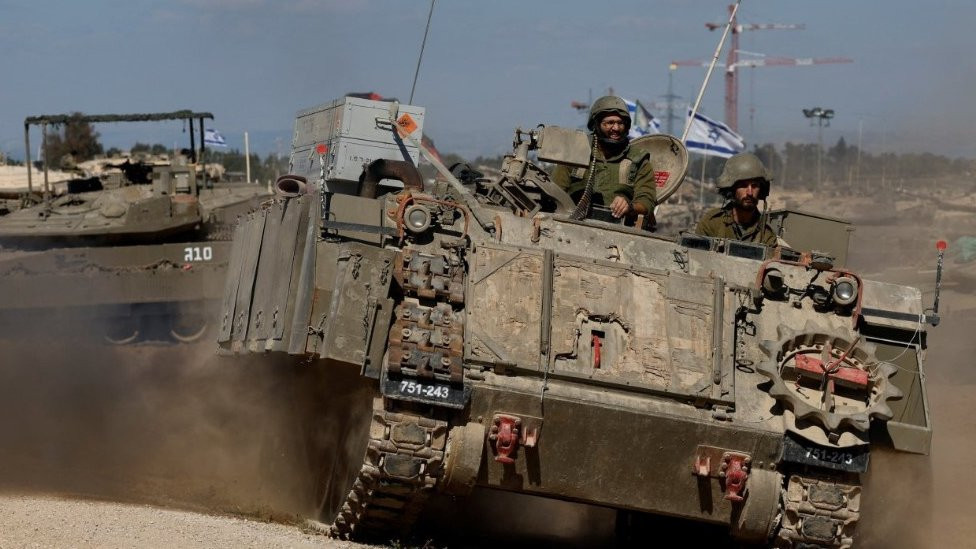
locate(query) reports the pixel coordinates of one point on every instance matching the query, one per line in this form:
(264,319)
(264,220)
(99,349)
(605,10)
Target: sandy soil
(41,521)
(14,178)
(189,445)
(926,501)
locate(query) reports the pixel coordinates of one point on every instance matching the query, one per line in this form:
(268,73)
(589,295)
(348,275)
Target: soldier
(744,182)
(621,178)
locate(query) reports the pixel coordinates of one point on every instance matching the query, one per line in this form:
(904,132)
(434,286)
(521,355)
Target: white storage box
(352,132)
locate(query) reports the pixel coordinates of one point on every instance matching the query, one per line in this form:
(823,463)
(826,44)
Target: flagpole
(701,93)
(711,67)
(247,158)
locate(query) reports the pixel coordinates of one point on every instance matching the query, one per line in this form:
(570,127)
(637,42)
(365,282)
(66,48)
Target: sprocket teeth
(882,391)
(764,370)
(779,391)
(802,411)
(884,412)
(861,422)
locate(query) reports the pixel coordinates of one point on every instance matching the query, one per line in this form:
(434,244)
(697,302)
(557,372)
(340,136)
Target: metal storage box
(808,231)
(352,132)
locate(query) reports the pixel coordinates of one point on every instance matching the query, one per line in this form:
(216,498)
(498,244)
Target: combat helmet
(739,168)
(608,104)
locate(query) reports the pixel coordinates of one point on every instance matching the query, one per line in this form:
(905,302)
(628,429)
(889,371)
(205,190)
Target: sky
(488,66)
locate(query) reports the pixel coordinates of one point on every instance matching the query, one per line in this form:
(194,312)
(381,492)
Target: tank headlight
(845,291)
(416,218)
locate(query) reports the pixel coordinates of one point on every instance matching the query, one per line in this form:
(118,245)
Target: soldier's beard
(613,144)
(746,204)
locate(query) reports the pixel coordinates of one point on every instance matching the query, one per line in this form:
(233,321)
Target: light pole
(823,117)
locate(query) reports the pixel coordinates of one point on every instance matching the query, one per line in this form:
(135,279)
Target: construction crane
(733,62)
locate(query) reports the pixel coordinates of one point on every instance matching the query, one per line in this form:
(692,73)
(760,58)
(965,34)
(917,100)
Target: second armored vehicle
(135,250)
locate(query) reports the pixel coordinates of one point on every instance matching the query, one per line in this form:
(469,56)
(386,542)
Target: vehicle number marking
(197,253)
(420,389)
(832,456)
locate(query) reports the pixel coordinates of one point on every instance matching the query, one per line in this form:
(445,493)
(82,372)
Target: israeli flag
(642,122)
(213,137)
(712,138)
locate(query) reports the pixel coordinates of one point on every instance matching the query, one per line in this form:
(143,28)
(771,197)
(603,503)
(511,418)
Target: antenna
(933,318)
(701,92)
(421,56)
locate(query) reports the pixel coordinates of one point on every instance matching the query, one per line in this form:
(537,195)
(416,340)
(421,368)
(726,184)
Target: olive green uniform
(637,186)
(719,223)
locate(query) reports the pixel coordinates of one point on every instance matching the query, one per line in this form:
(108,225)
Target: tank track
(403,462)
(405,454)
(818,513)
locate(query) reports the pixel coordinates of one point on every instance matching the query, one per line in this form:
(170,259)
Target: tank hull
(518,347)
(160,292)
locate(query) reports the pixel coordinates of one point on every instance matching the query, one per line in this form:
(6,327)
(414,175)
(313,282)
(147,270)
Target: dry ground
(43,521)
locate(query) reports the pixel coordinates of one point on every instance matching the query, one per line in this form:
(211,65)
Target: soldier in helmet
(744,182)
(619,178)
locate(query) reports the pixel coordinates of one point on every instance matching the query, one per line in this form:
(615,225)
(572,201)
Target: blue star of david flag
(642,121)
(213,137)
(712,138)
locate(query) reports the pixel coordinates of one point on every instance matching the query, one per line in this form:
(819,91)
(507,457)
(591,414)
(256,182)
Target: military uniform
(719,223)
(636,185)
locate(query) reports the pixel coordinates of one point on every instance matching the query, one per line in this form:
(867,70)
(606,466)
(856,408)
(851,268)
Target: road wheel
(188,328)
(121,330)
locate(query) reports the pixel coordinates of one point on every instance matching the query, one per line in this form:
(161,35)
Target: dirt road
(39,521)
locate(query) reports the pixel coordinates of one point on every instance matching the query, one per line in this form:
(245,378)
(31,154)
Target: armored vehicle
(132,248)
(507,344)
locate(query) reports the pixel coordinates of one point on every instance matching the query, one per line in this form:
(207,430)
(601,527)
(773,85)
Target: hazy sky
(488,66)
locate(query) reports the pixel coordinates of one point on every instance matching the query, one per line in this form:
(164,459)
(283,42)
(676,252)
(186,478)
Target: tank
(503,344)
(129,248)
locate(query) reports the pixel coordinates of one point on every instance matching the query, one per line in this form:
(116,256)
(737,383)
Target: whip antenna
(708,74)
(421,56)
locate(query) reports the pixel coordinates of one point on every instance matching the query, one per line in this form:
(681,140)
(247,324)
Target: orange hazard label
(660,178)
(406,125)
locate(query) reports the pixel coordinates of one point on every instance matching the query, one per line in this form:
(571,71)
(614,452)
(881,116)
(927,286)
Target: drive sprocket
(832,379)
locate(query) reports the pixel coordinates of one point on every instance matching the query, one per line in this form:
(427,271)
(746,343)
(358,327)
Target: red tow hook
(505,432)
(735,471)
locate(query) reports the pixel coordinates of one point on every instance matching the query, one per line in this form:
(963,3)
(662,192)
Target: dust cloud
(915,501)
(173,425)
